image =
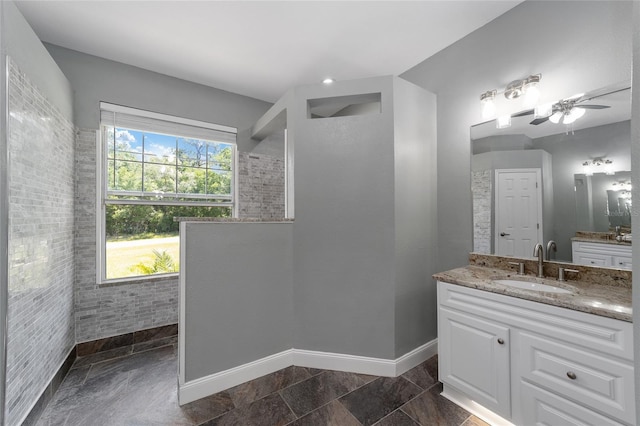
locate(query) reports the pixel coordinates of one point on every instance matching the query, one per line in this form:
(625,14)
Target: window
(154,168)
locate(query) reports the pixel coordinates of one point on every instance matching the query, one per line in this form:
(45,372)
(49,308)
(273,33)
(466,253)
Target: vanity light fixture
(503,122)
(488,102)
(591,166)
(528,87)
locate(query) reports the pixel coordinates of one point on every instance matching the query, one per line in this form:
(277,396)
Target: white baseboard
(416,357)
(474,408)
(214,383)
(205,386)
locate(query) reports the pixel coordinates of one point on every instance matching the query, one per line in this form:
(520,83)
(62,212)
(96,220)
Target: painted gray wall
(239,294)
(576,45)
(97,79)
(343,237)
(635,179)
(24,46)
(414,124)
(568,152)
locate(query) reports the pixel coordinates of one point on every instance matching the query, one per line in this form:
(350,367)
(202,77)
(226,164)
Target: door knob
(500,341)
(502,234)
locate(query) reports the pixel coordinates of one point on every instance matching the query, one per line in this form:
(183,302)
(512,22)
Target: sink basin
(528,285)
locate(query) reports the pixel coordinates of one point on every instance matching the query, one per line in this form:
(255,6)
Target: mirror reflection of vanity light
(503,122)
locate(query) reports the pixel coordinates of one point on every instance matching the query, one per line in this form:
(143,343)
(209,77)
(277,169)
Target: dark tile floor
(141,389)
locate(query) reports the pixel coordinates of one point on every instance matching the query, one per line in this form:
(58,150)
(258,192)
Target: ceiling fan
(565,111)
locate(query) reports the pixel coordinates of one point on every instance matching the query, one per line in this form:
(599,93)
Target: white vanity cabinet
(479,361)
(601,254)
(533,363)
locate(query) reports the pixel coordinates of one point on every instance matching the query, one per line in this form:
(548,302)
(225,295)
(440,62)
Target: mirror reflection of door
(518,207)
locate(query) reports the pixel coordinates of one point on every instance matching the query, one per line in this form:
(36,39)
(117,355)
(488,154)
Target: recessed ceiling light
(328,80)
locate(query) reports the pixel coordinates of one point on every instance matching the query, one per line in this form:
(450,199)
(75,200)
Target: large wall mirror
(544,179)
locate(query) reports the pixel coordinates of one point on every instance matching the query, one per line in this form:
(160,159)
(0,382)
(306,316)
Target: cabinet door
(543,408)
(474,358)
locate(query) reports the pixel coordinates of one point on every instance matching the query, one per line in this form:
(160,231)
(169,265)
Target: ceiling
(261,48)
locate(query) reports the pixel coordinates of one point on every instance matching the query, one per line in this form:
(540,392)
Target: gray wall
(414,111)
(40,213)
(239,294)
(96,79)
(364,245)
(576,45)
(635,178)
(344,230)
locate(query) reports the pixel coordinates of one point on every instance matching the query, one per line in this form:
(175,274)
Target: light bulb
(503,122)
(542,111)
(531,94)
(488,109)
(573,115)
(555,118)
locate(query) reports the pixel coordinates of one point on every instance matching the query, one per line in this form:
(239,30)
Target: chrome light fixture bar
(527,87)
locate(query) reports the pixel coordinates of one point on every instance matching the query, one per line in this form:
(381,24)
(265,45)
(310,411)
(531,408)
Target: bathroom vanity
(601,253)
(523,356)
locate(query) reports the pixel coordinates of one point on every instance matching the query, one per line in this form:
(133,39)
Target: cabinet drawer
(591,259)
(603,384)
(622,262)
(540,407)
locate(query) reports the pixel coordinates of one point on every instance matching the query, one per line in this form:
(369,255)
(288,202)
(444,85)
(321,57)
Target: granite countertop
(231,219)
(601,241)
(613,301)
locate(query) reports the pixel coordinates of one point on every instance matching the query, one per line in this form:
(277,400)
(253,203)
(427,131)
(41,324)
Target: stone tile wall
(41,226)
(261,186)
(481,189)
(105,311)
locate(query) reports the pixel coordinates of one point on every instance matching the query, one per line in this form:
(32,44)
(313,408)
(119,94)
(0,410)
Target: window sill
(158,278)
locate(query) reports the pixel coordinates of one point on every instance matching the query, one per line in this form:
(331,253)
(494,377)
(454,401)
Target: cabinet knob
(571,375)
(500,341)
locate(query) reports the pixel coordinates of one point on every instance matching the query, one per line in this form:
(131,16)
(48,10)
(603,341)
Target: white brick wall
(481,189)
(41,220)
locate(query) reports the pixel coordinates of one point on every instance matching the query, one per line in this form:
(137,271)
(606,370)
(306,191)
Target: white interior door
(518,207)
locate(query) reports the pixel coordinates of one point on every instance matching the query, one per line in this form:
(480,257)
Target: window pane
(192,152)
(219,182)
(192,180)
(128,176)
(143,240)
(128,145)
(160,149)
(220,156)
(159,178)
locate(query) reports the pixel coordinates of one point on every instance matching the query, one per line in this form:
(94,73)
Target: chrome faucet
(538,250)
(551,245)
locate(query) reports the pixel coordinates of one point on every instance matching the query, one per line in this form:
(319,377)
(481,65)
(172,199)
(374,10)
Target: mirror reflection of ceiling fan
(565,111)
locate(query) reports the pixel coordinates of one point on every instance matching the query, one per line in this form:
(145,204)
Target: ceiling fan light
(573,115)
(555,118)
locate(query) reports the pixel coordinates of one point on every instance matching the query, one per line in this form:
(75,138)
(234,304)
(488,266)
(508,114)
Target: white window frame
(101,188)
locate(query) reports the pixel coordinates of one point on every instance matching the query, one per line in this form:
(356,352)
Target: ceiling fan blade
(593,106)
(523,113)
(539,121)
